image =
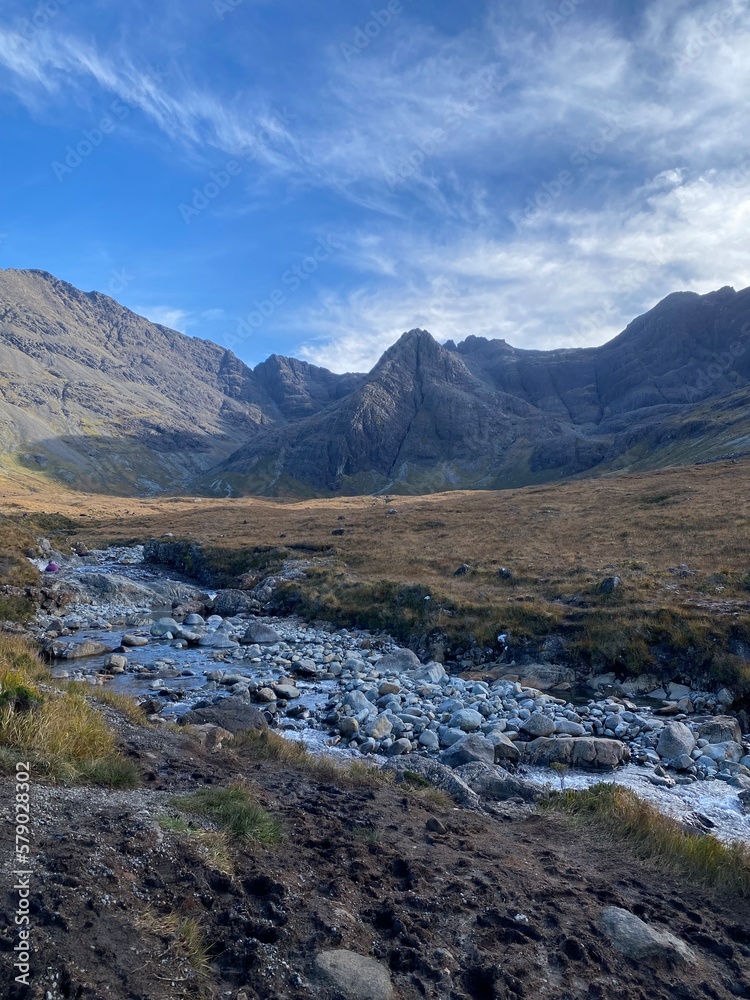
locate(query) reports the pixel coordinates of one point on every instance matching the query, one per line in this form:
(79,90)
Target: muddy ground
(486,906)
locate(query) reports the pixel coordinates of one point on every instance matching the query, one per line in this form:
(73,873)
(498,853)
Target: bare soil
(497,905)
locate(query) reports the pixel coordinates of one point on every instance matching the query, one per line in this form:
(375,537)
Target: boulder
(724,751)
(564,727)
(722,729)
(506,751)
(494,783)
(467,749)
(263,635)
(674,740)
(744,798)
(233,714)
(164,626)
(591,753)
(538,724)
(379,728)
(430,673)
(210,735)
(466,719)
(134,640)
(63,649)
(439,775)
(638,941)
(218,640)
(358,703)
(398,661)
(229,603)
(287,691)
(348,726)
(353,976)
(116,663)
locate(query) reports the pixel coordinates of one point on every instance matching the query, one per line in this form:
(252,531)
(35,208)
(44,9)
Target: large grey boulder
(591,753)
(722,729)
(494,783)
(506,751)
(164,626)
(229,603)
(63,649)
(353,976)
(538,724)
(638,941)
(261,633)
(398,661)
(359,703)
(430,673)
(234,714)
(439,775)
(674,740)
(469,748)
(466,719)
(218,640)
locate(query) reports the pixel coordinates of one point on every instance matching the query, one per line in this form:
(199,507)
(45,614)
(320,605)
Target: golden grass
(619,815)
(184,937)
(57,731)
(259,745)
(122,703)
(558,540)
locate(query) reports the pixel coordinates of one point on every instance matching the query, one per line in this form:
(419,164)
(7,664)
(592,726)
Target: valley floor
(455,905)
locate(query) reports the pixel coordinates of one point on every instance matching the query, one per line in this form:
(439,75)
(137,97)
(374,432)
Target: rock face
(593,753)
(722,729)
(427,417)
(637,941)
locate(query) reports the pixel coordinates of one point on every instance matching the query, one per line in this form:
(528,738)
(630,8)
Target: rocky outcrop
(584,752)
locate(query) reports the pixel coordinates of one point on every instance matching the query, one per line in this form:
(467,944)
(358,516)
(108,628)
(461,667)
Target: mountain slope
(99,397)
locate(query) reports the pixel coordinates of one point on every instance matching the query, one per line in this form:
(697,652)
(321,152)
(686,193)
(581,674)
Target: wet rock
(467,749)
(675,739)
(233,714)
(353,976)
(116,663)
(163,627)
(134,640)
(638,941)
(218,640)
(287,691)
(744,798)
(62,649)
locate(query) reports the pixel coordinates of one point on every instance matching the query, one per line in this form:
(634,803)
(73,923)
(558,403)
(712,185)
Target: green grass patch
(234,810)
(621,816)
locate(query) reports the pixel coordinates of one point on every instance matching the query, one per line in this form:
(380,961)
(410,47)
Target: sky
(291,177)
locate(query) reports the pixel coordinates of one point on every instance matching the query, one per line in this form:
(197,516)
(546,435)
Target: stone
(116,663)
(388,687)
(721,729)
(565,727)
(610,584)
(354,976)
(439,775)
(358,703)
(379,728)
(494,783)
(469,748)
(194,620)
(210,735)
(398,747)
(229,603)
(134,640)
(429,740)
(638,941)
(234,714)
(538,724)
(263,635)
(434,825)
(683,763)
(430,673)
(287,691)
(348,726)
(218,640)
(399,660)
(462,570)
(506,751)
(724,751)
(593,753)
(466,719)
(164,626)
(675,739)
(78,650)
(744,798)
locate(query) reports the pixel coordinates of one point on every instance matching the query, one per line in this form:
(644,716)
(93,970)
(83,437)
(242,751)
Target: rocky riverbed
(133,627)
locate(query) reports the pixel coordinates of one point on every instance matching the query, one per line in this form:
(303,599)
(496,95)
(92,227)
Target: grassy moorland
(677,538)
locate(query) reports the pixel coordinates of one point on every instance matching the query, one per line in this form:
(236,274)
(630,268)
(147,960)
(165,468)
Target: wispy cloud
(175,319)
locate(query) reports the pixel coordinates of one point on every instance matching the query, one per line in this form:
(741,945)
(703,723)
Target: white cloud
(175,319)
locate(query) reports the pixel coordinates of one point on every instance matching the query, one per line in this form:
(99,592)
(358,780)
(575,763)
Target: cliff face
(101,398)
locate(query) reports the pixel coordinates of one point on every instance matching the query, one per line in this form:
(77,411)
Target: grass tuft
(234,810)
(622,816)
(122,703)
(267,745)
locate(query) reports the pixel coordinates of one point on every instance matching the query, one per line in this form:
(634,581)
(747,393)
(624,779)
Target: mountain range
(95,396)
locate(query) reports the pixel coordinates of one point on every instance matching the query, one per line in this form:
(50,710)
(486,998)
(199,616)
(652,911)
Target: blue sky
(314,179)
